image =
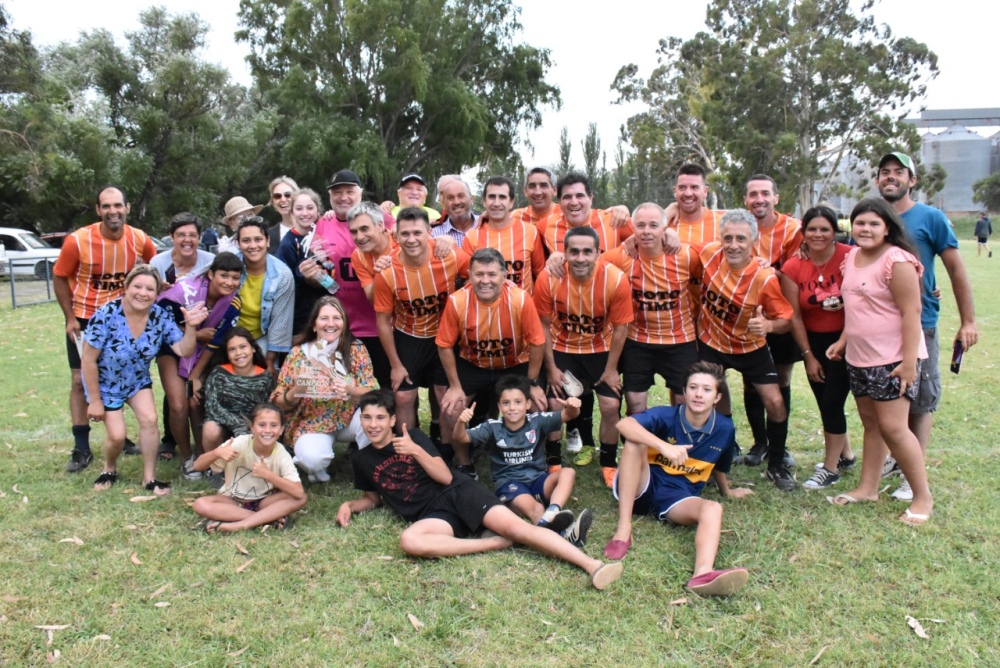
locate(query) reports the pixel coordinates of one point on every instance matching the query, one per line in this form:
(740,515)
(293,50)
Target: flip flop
(166,451)
(606,574)
(842,500)
(212,526)
(155,486)
(719,583)
(914,519)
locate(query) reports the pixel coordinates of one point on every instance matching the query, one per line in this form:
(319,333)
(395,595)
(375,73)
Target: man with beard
(932,234)
(89,273)
(459,218)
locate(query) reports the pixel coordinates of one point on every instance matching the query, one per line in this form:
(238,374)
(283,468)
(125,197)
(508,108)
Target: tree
(789,88)
(987,192)
(565,153)
(392,86)
(598,174)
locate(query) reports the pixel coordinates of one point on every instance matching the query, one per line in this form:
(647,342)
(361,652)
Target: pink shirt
(339,245)
(873,322)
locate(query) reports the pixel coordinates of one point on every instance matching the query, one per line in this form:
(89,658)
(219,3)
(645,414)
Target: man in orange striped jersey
(539,188)
(779,239)
(696,224)
(89,273)
(741,304)
(409,297)
(662,337)
(366,224)
(497,332)
(585,316)
(517,241)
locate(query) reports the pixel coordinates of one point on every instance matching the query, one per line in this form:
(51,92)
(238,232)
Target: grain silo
(965,157)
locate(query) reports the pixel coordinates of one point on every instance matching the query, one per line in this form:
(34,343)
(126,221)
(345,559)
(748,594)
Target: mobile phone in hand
(956,357)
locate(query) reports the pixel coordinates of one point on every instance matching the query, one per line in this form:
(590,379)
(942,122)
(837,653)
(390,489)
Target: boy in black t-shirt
(445,506)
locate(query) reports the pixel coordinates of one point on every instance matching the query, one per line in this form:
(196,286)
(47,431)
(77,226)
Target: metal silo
(965,157)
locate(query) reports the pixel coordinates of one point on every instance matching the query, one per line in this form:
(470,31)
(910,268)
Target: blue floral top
(123,365)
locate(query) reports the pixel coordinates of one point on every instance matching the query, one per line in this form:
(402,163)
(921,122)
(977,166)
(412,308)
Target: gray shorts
(929,394)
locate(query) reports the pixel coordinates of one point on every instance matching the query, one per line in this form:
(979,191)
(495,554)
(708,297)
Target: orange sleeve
(361,269)
(447,334)
(794,241)
(625,231)
(148,249)
(694,263)
(621,303)
(467,244)
(537,255)
(531,325)
(69,258)
(384,294)
(773,300)
(462,263)
(543,295)
(614,257)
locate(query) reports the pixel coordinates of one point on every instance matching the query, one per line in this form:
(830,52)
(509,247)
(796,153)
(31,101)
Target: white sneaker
(187,470)
(890,468)
(903,492)
(574,443)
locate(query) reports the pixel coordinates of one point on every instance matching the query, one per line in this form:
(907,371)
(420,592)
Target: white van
(25,253)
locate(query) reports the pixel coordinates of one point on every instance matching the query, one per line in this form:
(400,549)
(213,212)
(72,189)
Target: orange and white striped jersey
(702,232)
(521,247)
(729,300)
(491,336)
(780,241)
(96,266)
(662,301)
(364,263)
(583,315)
(416,296)
(555,227)
(527,215)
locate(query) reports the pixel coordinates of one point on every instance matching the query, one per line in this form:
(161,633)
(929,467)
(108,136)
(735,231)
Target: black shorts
(783,348)
(475,379)
(876,383)
(420,357)
(756,367)
(641,360)
(982,240)
(381,368)
(588,369)
(71,351)
(463,506)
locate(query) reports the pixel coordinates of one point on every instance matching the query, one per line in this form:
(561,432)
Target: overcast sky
(589,41)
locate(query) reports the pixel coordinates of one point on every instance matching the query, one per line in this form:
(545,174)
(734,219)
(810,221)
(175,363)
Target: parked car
(56,239)
(26,252)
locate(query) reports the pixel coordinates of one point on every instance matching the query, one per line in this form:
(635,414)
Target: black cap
(412,177)
(343,178)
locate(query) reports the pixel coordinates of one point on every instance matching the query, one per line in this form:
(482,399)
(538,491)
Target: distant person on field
(984,230)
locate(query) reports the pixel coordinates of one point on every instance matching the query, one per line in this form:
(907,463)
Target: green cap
(901,158)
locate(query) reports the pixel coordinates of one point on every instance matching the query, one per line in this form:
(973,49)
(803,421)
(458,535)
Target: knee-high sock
(756,415)
(777,435)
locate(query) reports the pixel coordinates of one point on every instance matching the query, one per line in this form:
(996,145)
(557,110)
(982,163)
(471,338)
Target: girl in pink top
(884,345)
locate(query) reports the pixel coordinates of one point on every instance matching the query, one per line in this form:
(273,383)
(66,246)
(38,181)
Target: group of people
(321,328)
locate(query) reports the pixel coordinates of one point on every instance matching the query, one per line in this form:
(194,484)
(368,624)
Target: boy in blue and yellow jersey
(669,454)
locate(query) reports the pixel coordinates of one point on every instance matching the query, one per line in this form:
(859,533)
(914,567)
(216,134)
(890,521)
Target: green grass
(842,579)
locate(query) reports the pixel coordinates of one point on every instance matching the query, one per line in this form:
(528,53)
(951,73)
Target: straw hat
(238,206)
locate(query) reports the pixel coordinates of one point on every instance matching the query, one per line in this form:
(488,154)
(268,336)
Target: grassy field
(138,585)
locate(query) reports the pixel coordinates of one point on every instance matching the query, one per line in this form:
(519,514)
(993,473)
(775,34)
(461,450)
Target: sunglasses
(284,195)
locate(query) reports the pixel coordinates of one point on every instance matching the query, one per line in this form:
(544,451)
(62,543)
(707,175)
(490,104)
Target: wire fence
(30,281)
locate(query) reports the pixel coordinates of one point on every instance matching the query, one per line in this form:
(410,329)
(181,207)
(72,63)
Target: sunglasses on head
(249,220)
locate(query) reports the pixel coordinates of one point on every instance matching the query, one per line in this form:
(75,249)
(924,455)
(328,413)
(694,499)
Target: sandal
(166,451)
(155,486)
(108,478)
(914,519)
(283,523)
(212,526)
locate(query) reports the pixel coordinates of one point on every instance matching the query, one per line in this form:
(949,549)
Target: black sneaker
(215,480)
(844,463)
(782,479)
(737,454)
(756,455)
(821,479)
(79,460)
(562,521)
(130,447)
(467,469)
(577,531)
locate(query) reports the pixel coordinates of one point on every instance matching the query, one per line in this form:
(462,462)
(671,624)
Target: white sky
(589,41)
